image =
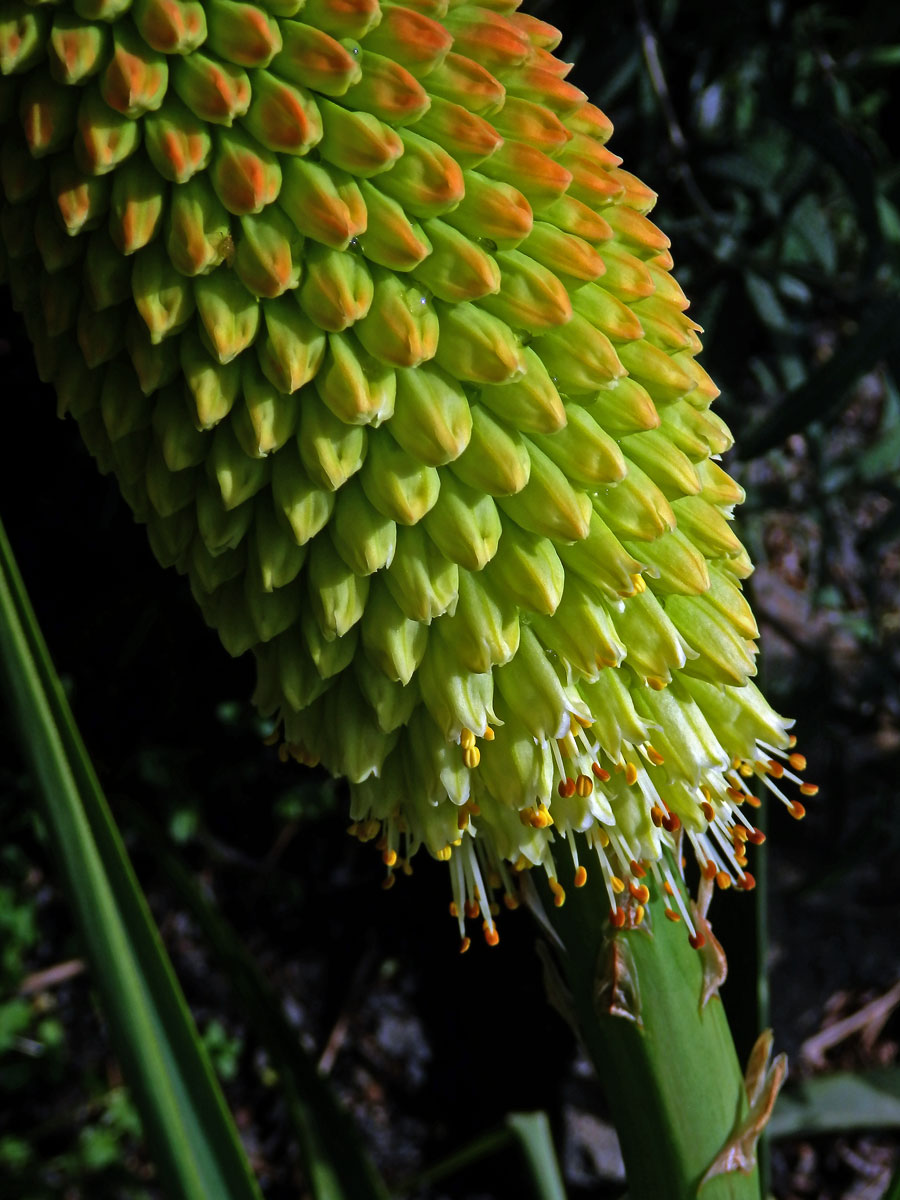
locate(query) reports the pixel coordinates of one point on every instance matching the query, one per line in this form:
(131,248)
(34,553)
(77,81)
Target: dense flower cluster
(378,339)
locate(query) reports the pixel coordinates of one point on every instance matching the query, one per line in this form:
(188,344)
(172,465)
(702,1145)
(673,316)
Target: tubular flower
(383,349)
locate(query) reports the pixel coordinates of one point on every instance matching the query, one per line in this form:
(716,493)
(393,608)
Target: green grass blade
(532,1131)
(188,1128)
(839,1103)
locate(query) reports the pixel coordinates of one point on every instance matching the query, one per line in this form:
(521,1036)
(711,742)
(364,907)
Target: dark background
(769,135)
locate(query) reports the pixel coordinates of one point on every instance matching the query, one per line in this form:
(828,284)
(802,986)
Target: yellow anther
(472,757)
(559,895)
(467,739)
(639,914)
(580,877)
(443,855)
(656,684)
(654,755)
(489,734)
(617,885)
(631,773)
(745,770)
(602,837)
(797,761)
(584,785)
(389,858)
(639,584)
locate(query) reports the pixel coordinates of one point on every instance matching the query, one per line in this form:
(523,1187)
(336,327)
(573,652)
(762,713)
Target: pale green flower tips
(378,339)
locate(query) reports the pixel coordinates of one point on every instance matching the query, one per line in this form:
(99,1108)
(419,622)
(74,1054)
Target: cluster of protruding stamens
(719,832)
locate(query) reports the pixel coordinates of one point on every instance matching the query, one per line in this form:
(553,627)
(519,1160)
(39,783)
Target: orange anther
(631,773)
(792,741)
(491,936)
(735,794)
(669,890)
(388,882)
(637,869)
(671,822)
(389,857)
(617,917)
(640,891)
(756,836)
(580,877)
(809,789)
(655,757)
(656,684)
(797,810)
(723,879)
(511,902)
(797,761)
(599,772)
(709,869)
(747,882)
(775,769)
(465,944)
(740,833)
(697,940)
(672,915)
(656,816)
(753,801)
(708,811)
(472,909)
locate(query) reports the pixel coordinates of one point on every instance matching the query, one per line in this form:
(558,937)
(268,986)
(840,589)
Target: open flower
(383,349)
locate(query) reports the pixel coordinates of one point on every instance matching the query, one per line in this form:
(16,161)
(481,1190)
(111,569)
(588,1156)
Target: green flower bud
(304,506)
(198,231)
(212,386)
(386,90)
(76,48)
(263,419)
(245,175)
(241,33)
(492,210)
(81,200)
(47,117)
(136,205)
(393,642)
(390,238)
(364,537)
(527,569)
(268,256)
(273,552)
(23,38)
(168,491)
(456,269)
(324,203)
(462,133)
(330,655)
(20,175)
(283,117)
(669,468)
(338,595)
(401,328)
(496,459)
(170,26)
(181,444)
(464,525)
(357,388)
(135,79)
(313,59)
(292,348)
(548,505)
(178,143)
(214,91)
(423,582)
(107,273)
(237,476)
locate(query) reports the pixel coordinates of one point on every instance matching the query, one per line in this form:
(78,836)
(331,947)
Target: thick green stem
(665,1060)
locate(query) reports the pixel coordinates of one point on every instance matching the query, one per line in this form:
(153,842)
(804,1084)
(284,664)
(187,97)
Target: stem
(668,1067)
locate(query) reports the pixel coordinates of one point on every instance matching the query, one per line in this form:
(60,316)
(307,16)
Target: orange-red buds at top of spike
(313,59)
(76,48)
(246,176)
(135,79)
(381,345)
(282,116)
(170,26)
(178,142)
(242,33)
(470,139)
(343,18)
(213,91)
(411,38)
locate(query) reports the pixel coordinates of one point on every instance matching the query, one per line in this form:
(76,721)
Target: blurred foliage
(768,131)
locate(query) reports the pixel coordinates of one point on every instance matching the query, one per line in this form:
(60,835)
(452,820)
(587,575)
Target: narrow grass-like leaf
(189,1131)
(839,1103)
(532,1131)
